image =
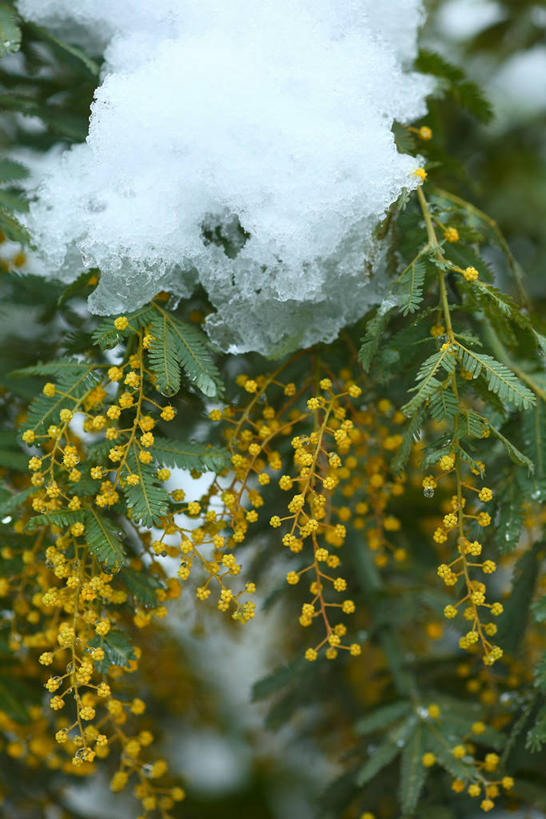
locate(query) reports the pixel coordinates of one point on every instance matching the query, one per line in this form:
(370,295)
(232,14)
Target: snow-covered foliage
(243,146)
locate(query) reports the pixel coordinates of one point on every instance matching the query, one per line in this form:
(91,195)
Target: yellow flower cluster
(72,618)
(456,522)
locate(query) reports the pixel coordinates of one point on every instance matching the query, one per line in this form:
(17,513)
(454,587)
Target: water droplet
(70,667)
(428,492)
(81,753)
(147,769)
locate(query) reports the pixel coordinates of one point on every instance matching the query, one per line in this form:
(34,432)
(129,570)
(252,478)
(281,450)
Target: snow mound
(243,146)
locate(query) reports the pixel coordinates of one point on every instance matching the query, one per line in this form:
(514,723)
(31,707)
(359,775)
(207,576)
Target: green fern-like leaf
(375,328)
(104,540)
(458,768)
(62,518)
(68,53)
(72,385)
(175,343)
(466,93)
(148,501)
(412,773)
(59,368)
(515,454)
(498,377)
(534,436)
(443,404)
(117,650)
(10,503)
(387,750)
(142,587)
(410,285)
(410,437)
(509,518)
(106,335)
(474,424)
(513,620)
(12,171)
(427,384)
(163,357)
(382,717)
(13,228)
(188,455)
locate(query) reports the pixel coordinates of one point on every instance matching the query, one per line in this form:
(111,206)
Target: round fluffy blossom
(245,147)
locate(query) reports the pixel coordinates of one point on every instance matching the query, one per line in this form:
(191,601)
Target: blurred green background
(234,766)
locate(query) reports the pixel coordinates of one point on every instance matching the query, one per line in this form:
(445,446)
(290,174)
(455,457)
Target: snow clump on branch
(243,146)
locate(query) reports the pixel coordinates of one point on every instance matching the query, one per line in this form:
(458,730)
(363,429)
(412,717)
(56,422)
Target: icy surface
(244,146)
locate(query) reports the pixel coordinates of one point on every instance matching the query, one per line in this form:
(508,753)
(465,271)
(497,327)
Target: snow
(246,147)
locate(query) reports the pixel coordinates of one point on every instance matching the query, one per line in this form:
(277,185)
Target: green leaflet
(13,201)
(458,768)
(78,287)
(404,139)
(466,256)
(539,674)
(10,33)
(509,520)
(142,587)
(383,717)
(67,124)
(443,404)
(163,359)
(12,171)
(410,436)
(474,425)
(74,384)
(410,284)
(13,228)
(387,750)
(427,383)
(513,620)
(176,346)
(536,737)
(117,650)
(539,609)
(190,455)
(534,436)
(278,679)
(466,93)
(62,518)
(102,535)
(498,377)
(69,53)
(413,773)
(11,503)
(148,501)
(375,328)
(60,368)
(515,455)
(106,335)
